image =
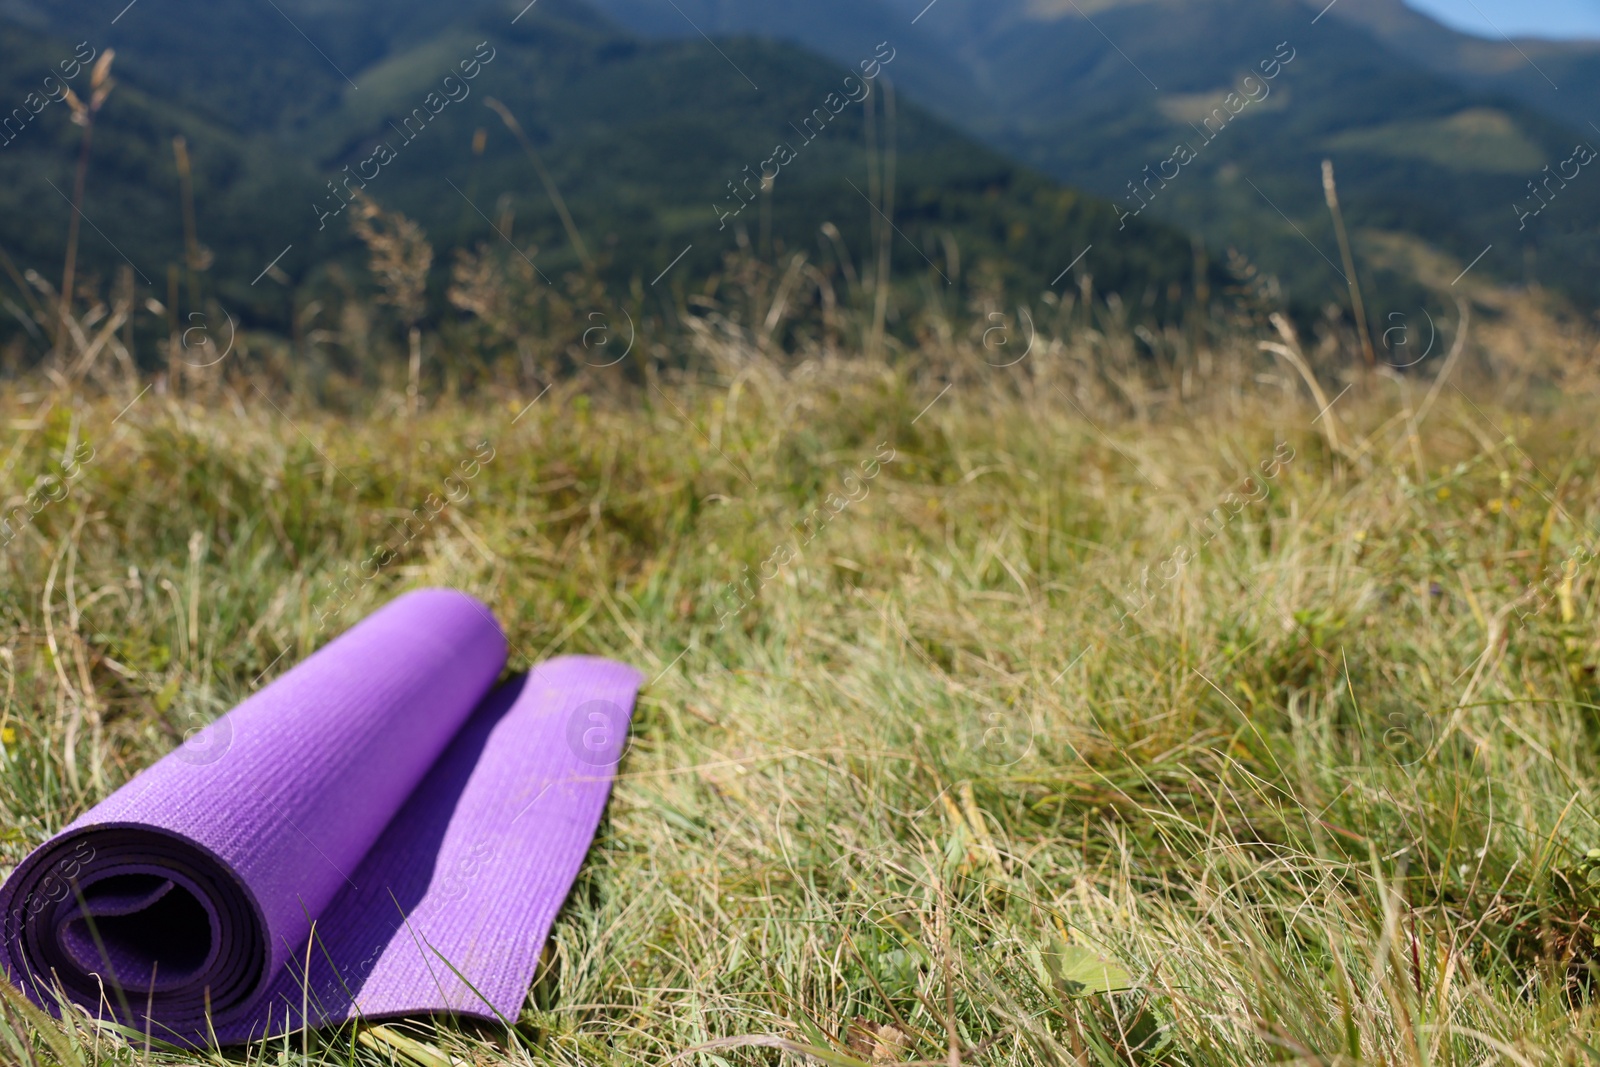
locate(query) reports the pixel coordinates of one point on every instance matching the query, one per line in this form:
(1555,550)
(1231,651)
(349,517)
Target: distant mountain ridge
(1435,135)
(645,139)
(1559,78)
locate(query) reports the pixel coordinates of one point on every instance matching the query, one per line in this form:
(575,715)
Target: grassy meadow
(1226,705)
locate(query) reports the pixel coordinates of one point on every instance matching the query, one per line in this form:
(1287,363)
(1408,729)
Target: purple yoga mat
(381,831)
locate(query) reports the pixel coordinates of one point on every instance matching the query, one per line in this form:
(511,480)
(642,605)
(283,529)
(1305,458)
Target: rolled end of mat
(216,860)
(137,921)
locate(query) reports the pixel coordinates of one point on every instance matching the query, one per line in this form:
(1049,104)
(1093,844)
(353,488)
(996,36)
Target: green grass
(1326,797)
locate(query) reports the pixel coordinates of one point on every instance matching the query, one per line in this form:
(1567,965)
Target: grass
(990,772)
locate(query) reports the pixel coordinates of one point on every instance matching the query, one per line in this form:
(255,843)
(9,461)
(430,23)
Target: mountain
(1439,145)
(842,30)
(655,145)
(132,212)
(1559,78)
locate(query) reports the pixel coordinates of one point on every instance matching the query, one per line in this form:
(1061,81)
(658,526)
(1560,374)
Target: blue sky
(1527,18)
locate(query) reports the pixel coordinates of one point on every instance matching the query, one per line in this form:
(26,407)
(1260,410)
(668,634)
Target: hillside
(1425,149)
(655,147)
(1559,78)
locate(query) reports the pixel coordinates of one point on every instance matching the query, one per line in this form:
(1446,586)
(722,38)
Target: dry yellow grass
(1115,709)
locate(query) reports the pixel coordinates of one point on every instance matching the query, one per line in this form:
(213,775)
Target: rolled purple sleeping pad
(381,831)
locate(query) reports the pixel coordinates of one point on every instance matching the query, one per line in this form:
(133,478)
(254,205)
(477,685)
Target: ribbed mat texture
(381,831)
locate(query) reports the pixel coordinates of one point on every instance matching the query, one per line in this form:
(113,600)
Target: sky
(1525,18)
